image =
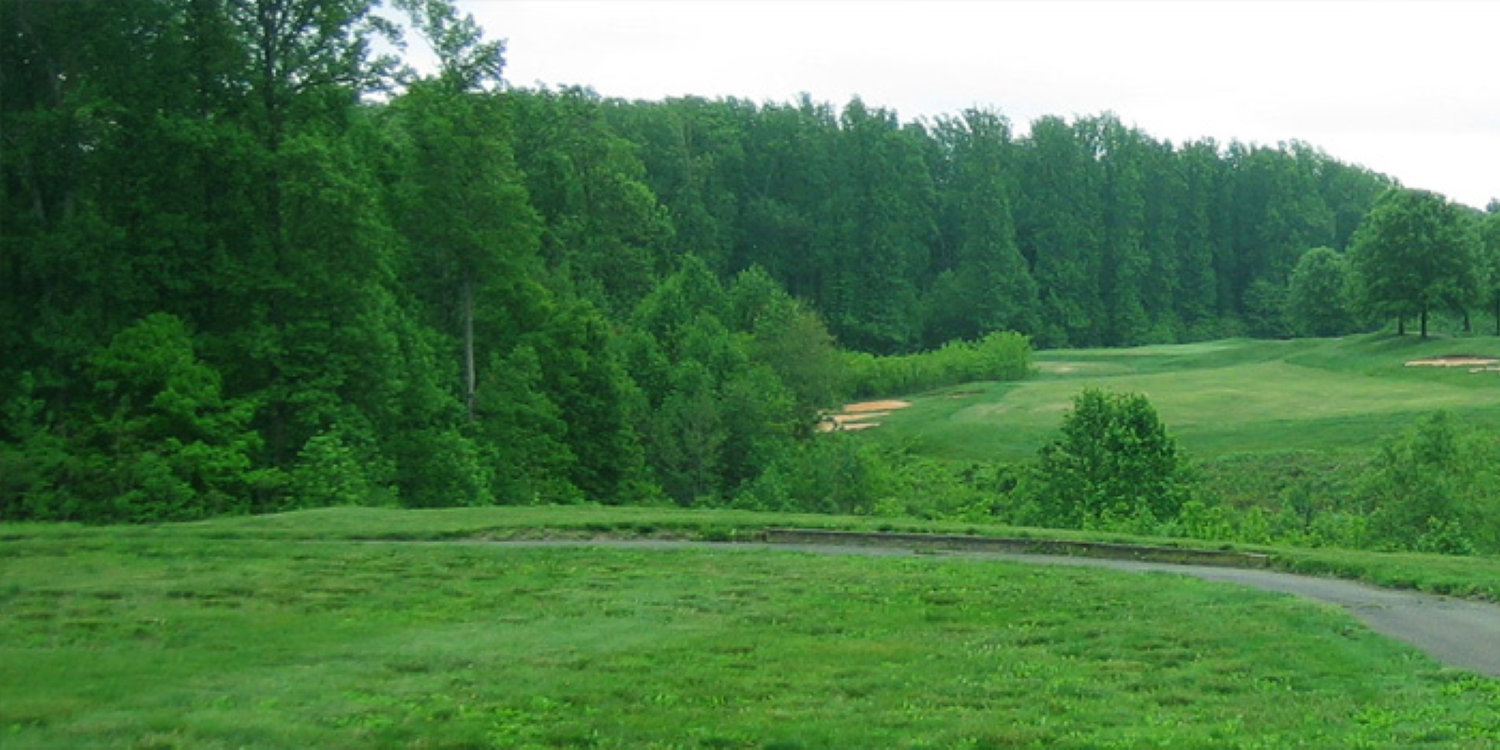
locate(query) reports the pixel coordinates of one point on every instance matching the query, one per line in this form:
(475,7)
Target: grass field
(385,628)
(1217,398)
(287,631)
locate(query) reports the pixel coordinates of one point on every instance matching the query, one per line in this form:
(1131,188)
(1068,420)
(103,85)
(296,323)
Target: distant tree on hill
(1414,255)
(1489,245)
(1317,296)
(988,286)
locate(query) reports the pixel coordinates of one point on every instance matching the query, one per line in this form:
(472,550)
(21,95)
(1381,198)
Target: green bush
(153,439)
(1436,488)
(997,356)
(1115,466)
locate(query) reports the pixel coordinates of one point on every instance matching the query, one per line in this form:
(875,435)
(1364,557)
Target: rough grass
(1475,577)
(1218,398)
(236,634)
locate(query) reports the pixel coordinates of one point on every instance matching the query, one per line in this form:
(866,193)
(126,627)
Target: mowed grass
(1217,398)
(204,636)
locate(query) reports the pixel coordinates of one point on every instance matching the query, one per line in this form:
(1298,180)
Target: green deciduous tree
(789,338)
(464,212)
(464,209)
(877,232)
(1059,228)
(1414,254)
(1114,461)
(603,228)
(1489,239)
(1317,296)
(159,441)
(989,286)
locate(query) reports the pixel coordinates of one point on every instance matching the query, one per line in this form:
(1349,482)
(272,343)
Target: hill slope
(1218,398)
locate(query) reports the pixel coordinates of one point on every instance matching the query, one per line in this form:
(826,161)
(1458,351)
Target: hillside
(1218,398)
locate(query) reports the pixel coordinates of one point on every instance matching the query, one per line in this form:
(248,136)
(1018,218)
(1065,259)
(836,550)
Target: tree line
(1078,233)
(249,262)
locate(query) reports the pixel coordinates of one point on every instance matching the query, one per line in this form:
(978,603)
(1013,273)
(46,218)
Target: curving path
(1457,632)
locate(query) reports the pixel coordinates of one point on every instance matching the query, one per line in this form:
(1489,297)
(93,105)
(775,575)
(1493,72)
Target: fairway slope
(1217,398)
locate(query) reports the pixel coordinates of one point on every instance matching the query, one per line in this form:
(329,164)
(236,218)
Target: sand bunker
(856,417)
(1475,362)
(869,406)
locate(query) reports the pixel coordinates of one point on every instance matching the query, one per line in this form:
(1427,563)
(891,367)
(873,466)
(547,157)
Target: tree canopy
(1415,254)
(248,264)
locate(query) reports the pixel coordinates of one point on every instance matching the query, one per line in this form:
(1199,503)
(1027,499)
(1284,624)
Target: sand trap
(1457,360)
(861,417)
(855,417)
(869,406)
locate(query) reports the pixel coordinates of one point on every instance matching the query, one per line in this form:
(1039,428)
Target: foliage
(789,338)
(1489,245)
(996,357)
(1436,488)
(155,440)
(1115,463)
(357,284)
(833,474)
(1414,255)
(1317,295)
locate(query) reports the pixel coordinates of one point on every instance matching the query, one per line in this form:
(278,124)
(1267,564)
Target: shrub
(1436,488)
(997,356)
(1114,461)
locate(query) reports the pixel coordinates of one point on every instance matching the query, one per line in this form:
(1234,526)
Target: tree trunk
(1401,326)
(1424,322)
(466,299)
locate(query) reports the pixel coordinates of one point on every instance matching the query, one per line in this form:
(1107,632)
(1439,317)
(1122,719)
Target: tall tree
(694,154)
(1489,234)
(465,211)
(988,287)
(877,231)
(1121,154)
(1413,255)
(790,173)
(1200,241)
(603,228)
(1276,213)
(1059,228)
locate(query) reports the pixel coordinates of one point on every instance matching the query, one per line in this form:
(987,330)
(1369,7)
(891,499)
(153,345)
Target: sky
(1409,88)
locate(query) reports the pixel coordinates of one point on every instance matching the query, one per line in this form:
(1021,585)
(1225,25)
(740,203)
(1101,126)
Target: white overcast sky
(1409,88)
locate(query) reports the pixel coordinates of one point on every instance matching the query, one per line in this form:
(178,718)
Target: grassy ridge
(282,631)
(1219,398)
(1476,577)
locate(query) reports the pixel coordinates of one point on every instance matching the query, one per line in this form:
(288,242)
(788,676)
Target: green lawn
(282,632)
(1217,398)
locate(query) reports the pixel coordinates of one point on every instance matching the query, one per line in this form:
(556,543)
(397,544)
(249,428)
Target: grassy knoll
(287,631)
(1218,398)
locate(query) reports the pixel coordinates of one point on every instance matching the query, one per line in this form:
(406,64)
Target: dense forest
(249,264)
